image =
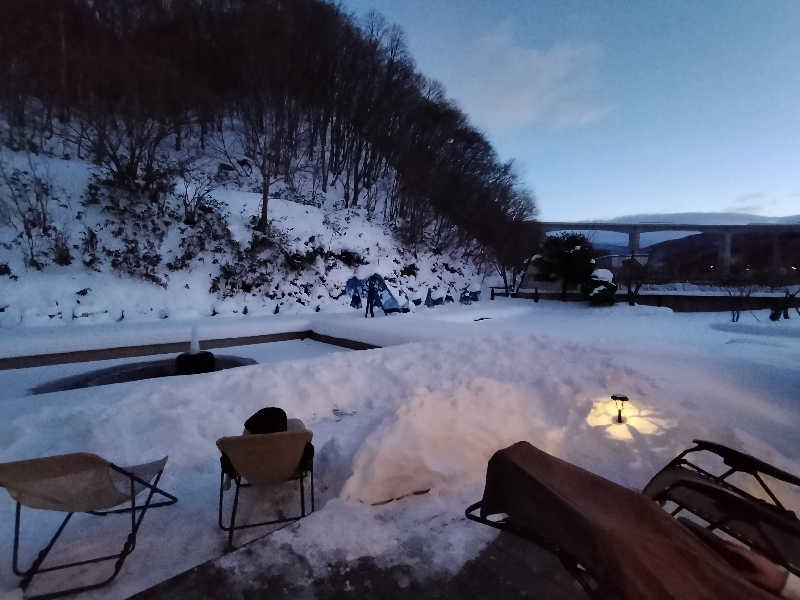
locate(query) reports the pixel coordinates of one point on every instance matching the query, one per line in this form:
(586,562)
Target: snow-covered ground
(425,412)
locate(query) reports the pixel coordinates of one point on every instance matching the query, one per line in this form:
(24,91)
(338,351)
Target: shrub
(350,259)
(61,253)
(89,249)
(601,293)
(138,260)
(410,270)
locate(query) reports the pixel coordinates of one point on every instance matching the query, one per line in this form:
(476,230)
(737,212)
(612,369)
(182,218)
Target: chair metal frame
(231,527)
(128,547)
(590,584)
(738,504)
(737,462)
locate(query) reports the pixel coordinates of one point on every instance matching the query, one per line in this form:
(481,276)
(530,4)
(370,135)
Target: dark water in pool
(131,372)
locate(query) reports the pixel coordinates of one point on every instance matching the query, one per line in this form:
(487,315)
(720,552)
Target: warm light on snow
(635,419)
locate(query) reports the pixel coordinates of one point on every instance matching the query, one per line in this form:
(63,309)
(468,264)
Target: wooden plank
(343,342)
(43,360)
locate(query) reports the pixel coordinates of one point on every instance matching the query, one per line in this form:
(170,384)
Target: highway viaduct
(726,232)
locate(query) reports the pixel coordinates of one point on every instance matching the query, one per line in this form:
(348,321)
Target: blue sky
(614,108)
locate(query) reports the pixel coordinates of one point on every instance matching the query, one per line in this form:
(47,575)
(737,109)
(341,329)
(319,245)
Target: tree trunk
(323,166)
(263,221)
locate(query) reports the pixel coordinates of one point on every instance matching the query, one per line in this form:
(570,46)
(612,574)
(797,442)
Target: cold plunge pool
(40,380)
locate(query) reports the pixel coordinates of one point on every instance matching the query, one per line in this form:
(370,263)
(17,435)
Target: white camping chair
(84,483)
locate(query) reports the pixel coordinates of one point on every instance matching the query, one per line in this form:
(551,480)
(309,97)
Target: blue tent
(389,299)
(431,300)
(353,286)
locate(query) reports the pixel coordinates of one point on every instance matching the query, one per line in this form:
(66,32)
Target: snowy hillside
(145,264)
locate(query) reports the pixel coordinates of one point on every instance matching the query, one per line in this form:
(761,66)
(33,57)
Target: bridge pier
(634,241)
(725,254)
(777,259)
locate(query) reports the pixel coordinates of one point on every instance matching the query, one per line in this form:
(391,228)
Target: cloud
(742,198)
(745,208)
(502,84)
(751,202)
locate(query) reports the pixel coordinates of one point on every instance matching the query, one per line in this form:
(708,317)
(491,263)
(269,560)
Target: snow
(413,450)
(24,341)
(423,413)
(603,275)
(75,295)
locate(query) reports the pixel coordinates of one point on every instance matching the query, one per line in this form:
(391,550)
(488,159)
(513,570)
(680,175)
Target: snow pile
(444,439)
(603,275)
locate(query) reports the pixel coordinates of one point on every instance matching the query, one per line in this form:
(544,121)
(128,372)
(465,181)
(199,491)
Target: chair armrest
(744,462)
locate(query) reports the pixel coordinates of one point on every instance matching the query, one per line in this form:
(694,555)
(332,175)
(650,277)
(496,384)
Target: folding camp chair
(265,459)
(83,483)
(618,543)
(766,526)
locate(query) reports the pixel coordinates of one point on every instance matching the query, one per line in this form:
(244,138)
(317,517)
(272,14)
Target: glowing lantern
(619,400)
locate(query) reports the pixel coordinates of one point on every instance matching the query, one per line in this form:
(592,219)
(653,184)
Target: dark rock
(192,364)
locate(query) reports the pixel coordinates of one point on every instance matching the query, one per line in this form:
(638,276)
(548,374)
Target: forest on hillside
(277,90)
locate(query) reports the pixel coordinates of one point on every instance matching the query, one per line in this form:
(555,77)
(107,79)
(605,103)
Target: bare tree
(632,276)
(195,189)
(25,197)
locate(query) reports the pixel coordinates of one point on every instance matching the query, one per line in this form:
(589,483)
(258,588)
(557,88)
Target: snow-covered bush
(209,233)
(139,260)
(242,276)
(409,270)
(89,249)
(61,248)
(602,293)
(25,198)
(601,289)
(195,191)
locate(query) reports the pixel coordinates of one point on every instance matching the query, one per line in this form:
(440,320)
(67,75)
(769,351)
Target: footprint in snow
(340,414)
